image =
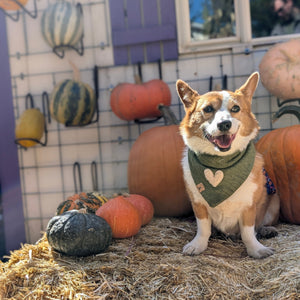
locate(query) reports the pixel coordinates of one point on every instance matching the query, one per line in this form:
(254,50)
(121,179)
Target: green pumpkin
(78,234)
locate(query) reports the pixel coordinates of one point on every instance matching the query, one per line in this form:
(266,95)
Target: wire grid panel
(47,172)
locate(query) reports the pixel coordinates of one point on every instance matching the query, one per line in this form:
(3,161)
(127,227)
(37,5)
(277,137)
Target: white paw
(196,246)
(260,252)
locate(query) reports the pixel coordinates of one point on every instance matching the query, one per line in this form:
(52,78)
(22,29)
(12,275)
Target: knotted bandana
(218,177)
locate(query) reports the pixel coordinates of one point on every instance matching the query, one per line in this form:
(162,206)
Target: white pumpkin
(280,70)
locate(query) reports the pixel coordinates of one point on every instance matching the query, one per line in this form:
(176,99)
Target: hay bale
(151,266)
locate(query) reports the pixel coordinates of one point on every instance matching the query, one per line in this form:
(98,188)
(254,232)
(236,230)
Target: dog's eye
(235,109)
(208,109)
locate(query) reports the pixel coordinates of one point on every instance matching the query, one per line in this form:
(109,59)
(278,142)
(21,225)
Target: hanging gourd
(280,70)
(31,125)
(12,5)
(136,101)
(73,102)
(62,27)
(154,170)
(280,149)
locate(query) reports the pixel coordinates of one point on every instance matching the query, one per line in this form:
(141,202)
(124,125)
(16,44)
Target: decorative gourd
(139,101)
(143,205)
(31,124)
(12,5)
(62,24)
(154,171)
(90,201)
(73,102)
(280,70)
(123,218)
(78,234)
(280,149)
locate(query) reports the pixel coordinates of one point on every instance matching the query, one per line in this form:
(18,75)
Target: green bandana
(218,177)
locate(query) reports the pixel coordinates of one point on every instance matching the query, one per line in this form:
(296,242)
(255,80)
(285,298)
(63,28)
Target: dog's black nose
(224,126)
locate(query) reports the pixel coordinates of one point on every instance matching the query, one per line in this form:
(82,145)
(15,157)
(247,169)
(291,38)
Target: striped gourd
(72,103)
(62,24)
(90,201)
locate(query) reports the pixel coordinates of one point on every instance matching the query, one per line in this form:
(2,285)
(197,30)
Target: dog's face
(218,123)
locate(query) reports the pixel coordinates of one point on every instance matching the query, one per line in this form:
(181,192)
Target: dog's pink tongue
(224,141)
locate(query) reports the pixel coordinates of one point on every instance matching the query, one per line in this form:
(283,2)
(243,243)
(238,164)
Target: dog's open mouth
(223,142)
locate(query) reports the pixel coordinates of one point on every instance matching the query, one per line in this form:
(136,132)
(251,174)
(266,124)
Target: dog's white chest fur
(226,215)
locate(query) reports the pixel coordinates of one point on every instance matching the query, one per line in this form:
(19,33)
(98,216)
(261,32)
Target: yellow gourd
(31,124)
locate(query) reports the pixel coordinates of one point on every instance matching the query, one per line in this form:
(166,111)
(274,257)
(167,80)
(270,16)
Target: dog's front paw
(196,246)
(261,252)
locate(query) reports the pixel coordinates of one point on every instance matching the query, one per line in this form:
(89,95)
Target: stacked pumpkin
(86,223)
(280,149)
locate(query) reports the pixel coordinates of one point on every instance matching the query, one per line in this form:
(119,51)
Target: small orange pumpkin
(123,218)
(143,205)
(139,101)
(280,149)
(154,171)
(12,5)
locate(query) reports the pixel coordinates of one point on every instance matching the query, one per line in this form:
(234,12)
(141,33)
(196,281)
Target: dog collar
(218,177)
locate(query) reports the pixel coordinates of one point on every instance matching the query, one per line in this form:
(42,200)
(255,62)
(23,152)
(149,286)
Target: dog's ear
(249,87)
(186,93)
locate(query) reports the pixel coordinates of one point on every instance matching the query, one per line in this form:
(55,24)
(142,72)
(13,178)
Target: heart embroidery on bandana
(214,180)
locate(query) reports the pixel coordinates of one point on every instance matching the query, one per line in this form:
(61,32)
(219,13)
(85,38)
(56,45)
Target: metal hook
(29,99)
(159,69)
(224,82)
(94,176)
(76,166)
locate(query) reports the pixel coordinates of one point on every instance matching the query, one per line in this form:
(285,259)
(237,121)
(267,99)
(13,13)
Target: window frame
(243,38)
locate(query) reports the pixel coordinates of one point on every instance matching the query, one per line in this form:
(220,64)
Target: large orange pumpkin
(154,171)
(280,149)
(280,70)
(139,101)
(12,5)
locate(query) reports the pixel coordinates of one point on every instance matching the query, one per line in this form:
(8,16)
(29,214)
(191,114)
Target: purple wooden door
(12,230)
(143,31)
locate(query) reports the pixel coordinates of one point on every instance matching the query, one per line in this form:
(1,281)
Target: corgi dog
(222,171)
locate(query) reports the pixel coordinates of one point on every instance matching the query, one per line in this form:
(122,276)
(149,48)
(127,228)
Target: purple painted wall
(142,31)
(11,197)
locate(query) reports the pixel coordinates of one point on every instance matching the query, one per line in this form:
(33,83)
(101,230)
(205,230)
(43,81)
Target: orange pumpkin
(123,218)
(139,101)
(12,5)
(154,171)
(280,70)
(280,149)
(143,205)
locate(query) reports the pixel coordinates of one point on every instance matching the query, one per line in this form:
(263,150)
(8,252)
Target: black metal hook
(21,6)
(94,176)
(77,174)
(29,100)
